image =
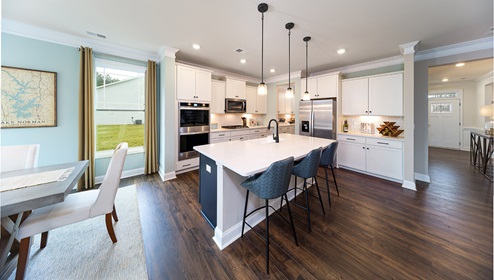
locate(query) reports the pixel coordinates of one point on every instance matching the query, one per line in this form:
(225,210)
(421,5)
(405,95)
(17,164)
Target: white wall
(483,97)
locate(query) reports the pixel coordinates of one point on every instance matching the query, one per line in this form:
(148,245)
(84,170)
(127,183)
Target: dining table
(17,203)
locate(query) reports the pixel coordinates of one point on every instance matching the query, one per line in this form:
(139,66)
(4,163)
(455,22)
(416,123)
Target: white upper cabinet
(355,97)
(193,84)
(386,95)
(285,105)
(218,89)
(235,89)
(376,95)
(325,86)
(256,104)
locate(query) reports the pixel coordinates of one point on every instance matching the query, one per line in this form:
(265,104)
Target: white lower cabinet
(376,156)
(246,134)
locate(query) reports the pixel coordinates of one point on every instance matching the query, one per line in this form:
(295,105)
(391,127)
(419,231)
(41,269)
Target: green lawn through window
(109,136)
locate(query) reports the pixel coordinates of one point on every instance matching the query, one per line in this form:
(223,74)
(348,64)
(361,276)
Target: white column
(408,51)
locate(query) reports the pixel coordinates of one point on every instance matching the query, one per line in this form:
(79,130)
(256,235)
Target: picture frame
(29,98)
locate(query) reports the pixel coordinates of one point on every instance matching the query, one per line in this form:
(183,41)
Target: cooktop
(234,126)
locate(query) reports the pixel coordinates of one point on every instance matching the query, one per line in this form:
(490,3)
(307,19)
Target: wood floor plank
(374,229)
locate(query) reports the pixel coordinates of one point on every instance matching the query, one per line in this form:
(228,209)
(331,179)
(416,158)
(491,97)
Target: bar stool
(327,160)
(305,169)
(273,183)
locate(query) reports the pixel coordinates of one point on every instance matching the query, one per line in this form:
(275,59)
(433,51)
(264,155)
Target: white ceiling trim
(390,61)
(33,32)
(220,73)
(284,77)
(460,48)
(409,48)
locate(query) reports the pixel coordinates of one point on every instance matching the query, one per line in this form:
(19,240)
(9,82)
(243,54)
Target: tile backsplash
(236,119)
(355,123)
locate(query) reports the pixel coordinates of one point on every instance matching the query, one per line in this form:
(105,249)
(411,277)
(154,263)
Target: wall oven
(193,128)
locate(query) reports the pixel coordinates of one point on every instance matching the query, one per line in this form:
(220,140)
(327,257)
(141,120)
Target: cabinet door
(235,89)
(327,86)
(217,97)
(289,105)
(241,90)
(386,95)
(281,103)
(385,161)
(313,88)
(203,85)
(351,155)
(262,103)
(186,83)
(251,93)
(354,97)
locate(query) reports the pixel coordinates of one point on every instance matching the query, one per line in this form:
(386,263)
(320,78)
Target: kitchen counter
(375,135)
(248,128)
(224,166)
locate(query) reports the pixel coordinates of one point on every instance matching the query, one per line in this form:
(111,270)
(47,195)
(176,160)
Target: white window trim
(109,153)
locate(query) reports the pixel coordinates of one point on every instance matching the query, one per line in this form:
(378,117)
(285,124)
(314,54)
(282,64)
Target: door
(323,119)
(444,123)
(305,111)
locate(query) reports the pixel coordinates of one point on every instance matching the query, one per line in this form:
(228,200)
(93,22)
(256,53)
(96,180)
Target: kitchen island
(224,166)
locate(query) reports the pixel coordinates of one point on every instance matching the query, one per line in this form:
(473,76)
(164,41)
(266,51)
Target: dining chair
(327,160)
(75,208)
(18,157)
(270,184)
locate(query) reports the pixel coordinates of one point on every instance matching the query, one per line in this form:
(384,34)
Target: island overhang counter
(223,166)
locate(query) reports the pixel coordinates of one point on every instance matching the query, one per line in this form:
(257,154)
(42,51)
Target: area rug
(84,250)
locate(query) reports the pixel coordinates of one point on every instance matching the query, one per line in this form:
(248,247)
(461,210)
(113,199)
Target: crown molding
(167,52)
(284,77)
(220,73)
(38,33)
(489,75)
(390,61)
(409,48)
(460,48)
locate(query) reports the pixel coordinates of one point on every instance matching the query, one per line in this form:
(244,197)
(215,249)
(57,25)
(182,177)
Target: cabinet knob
(363,148)
(370,112)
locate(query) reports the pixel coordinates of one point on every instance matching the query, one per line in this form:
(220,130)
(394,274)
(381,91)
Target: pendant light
(262,89)
(289,90)
(306,95)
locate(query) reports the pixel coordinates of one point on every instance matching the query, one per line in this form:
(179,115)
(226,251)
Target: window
(441,108)
(443,95)
(119,106)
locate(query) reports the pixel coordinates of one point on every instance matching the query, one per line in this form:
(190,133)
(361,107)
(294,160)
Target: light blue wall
(58,144)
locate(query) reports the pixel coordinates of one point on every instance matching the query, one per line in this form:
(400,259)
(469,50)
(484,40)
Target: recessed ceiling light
(243,61)
(272,70)
(445,80)
(460,64)
(341,51)
(196,46)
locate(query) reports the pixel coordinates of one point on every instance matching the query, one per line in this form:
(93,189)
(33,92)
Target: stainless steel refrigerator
(318,118)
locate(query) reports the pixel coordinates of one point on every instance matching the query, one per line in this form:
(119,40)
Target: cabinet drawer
(239,133)
(219,140)
(186,164)
(219,134)
(351,138)
(385,143)
(264,130)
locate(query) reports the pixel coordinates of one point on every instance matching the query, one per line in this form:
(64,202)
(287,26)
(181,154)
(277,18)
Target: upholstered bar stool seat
(270,184)
(305,169)
(327,160)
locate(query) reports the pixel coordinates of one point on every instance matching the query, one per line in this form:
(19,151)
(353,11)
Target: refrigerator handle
(311,133)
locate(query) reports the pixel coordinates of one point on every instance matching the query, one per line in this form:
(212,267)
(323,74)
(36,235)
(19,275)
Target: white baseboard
(409,185)
(125,174)
(166,176)
(422,177)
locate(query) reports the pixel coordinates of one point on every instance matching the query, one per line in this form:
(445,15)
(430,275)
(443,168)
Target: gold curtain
(150,145)
(86,117)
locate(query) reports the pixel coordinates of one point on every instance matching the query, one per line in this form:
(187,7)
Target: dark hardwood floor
(375,229)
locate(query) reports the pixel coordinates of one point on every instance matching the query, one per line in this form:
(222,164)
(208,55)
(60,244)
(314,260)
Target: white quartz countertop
(249,157)
(249,128)
(375,135)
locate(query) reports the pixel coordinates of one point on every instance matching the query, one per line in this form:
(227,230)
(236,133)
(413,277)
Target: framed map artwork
(29,98)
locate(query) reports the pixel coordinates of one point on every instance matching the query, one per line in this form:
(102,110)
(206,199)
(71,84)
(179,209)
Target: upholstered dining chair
(75,208)
(18,157)
(327,160)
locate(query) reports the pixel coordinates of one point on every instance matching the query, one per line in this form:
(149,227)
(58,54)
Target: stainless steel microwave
(235,105)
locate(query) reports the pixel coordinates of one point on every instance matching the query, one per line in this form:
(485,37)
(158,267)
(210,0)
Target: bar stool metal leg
(267,237)
(320,199)
(334,178)
(307,204)
(245,212)
(291,220)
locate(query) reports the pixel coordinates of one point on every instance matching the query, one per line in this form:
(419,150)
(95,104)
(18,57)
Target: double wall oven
(193,128)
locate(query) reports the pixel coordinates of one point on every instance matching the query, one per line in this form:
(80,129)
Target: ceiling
(368,30)
(471,71)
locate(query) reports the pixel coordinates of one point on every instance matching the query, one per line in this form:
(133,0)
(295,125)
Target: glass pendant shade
(262,89)
(306,96)
(289,93)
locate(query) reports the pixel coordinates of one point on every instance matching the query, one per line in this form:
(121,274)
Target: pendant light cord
(262,49)
(306,66)
(289,33)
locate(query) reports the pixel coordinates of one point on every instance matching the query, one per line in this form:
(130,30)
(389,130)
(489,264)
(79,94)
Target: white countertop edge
(376,135)
(220,129)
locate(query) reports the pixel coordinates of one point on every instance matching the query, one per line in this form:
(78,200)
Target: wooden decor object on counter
(390,129)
